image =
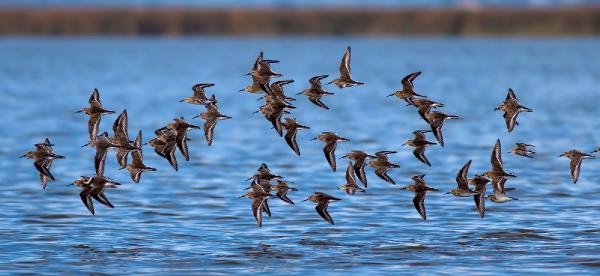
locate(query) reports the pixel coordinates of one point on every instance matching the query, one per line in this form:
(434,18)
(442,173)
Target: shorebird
(43,155)
(273,110)
(199,96)
(102,143)
(259,204)
(424,106)
(419,143)
(137,166)
(462,189)
(407,92)
(164,145)
(350,187)
(511,107)
(497,170)
(499,195)
(121,137)
(345,80)
(522,150)
(480,183)
(575,165)
(261,70)
(382,165)
(498,176)
(420,189)
(180,126)
(93,187)
(322,200)
(264,173)
(316,91)
(281,189)
(277,90)
(95,111)
(330,139)
(360,158)
(255,87)
(211,116)
(436,121)
(291,127)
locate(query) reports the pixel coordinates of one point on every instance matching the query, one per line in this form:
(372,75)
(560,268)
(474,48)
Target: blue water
(192,221)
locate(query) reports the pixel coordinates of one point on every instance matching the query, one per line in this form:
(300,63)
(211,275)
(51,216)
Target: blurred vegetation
(346,21)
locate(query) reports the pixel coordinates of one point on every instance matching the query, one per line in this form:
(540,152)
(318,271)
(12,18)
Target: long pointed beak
(447,193)
(393,95)
(313,139)
(305,199)
(196,116)
(330,82)
(299,93)
(85,145)
(248,74)
(404,144)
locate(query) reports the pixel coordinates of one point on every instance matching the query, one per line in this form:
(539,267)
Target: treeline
(344,21)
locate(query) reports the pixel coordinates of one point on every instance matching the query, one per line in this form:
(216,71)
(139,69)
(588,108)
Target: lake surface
(192,221)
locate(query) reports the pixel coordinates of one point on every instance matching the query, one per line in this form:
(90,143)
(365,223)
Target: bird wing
(322,211)
(461,176)
(329,151)
(419,202)
(345,64)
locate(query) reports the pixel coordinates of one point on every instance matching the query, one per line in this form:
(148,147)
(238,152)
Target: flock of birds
(173,136)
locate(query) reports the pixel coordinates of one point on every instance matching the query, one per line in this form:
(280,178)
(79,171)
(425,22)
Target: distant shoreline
(134,21)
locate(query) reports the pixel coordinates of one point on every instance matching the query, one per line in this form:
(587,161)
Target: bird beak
(248,74)
(196,116)
(24,155)
(85,145)
(447,193)
(299,93)
(305,199)
(393,95)
(404,144)
(313,139)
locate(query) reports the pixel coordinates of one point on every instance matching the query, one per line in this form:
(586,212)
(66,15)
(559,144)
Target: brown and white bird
(462,189)
(420,189)
(291,129)
(316,91)
(331,139)
(522,149)
(93,187)
(43,155)
(436,121)
(345,80)
(350,187)
(419,143)
(199,96)
(211,116)
(360,160)
(512,107)
(322,200)
(95,111)
(382,165)
(575,164)
(407,93)
(137,166)
(121,137)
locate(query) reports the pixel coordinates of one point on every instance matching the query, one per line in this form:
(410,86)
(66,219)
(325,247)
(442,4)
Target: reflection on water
(192,220)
